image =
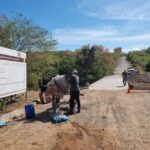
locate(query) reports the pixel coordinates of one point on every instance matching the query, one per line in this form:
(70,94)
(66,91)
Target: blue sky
(110,23)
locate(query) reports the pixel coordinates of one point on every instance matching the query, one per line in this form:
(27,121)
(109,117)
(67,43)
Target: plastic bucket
(29,111)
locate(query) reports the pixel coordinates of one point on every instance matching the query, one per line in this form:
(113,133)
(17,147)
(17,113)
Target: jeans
(124,81)
(74,96)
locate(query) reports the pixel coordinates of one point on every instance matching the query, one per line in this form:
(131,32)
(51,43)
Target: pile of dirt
(80,138)
(139,81)
(136,77)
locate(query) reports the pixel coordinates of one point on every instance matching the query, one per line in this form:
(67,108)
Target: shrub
(92,64)
(147,68)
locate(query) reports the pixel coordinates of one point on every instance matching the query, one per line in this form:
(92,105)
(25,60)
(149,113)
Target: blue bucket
(29,111)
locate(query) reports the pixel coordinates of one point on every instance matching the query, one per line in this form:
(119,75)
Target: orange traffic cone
(129,90)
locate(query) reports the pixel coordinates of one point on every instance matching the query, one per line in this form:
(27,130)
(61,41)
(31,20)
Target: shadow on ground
(120,86)
(45,116)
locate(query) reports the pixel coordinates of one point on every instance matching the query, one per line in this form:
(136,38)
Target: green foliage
(92,64)
(22,34)
(2,104)
(139,59)
(147,68)
(41,64)
(32,79)
(5,32)
(66,66)
(147,50)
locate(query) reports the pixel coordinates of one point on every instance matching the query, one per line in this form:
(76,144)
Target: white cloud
(116,9)
(130,38)
(126,24)
(110,38)
(79,35)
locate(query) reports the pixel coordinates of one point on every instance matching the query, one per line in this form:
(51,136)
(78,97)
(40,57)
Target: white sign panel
(12,72)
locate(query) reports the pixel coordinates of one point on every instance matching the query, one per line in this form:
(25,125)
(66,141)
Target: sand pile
(78,137)
(140,81)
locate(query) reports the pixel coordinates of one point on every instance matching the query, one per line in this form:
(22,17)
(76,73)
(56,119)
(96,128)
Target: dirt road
(112,82)
(123,65)
(109,120)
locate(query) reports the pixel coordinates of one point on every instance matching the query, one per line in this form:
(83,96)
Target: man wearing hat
(74,91)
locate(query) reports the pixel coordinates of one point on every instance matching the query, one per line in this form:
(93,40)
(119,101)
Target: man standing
(74,91)
(124,77)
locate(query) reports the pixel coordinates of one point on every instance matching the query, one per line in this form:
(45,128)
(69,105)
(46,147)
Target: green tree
(93,63)
(66,66)
(5,32)
(22,34)
(148,50)
(27,36)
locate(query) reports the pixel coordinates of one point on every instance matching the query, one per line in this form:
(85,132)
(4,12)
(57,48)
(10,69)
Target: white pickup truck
(132,71)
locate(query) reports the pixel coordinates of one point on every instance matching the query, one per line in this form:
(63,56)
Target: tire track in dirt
(81,138)
(126,115)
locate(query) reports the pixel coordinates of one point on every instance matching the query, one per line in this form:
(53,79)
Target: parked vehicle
(132,71)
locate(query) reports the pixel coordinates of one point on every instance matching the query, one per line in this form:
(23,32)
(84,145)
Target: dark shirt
(74,81)
(43,85)
(124,74)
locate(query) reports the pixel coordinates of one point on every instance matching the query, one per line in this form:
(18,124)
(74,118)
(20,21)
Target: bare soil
(109,120)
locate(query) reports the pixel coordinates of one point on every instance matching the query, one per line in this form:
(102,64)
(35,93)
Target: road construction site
(110,119)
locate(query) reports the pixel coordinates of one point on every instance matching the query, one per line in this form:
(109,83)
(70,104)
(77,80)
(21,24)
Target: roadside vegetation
(22,34)
(140,59)
(92,63)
